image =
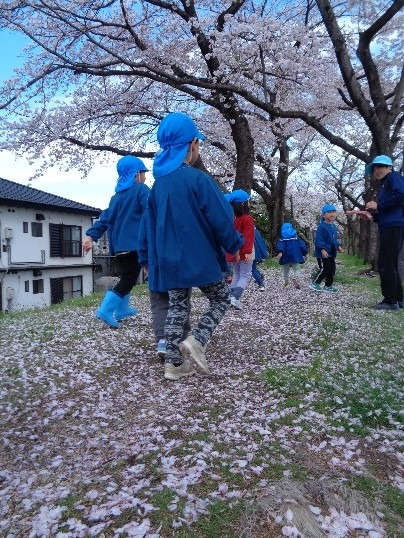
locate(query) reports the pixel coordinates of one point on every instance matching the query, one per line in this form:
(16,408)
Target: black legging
(327,271)
(129,269)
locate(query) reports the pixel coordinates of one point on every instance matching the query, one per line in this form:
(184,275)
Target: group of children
(184,232)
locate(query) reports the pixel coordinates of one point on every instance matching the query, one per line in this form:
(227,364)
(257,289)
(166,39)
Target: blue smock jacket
(326,238)
(122,219)
(390,202)
(293,250)
(189,225)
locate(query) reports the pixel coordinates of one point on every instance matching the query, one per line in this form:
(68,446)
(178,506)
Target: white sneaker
(262,288)
(194,351)
(235,302)
(176,372)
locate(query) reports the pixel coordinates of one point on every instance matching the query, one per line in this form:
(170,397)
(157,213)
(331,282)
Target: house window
(36,229)
(27,284)
(25,227)
(37,286)
(65,241)
(65,288)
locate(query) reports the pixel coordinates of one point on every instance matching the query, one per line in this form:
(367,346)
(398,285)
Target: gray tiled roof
(17,195)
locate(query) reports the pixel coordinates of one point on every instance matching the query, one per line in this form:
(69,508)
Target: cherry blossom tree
(100,75)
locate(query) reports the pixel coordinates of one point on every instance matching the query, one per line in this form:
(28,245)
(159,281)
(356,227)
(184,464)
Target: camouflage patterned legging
(219,301)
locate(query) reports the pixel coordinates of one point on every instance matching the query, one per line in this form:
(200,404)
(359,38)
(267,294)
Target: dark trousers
(327,268)
(391,241)
(129,269)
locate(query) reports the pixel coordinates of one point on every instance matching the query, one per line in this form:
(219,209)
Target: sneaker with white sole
(177,372)
(330,289)
(161,349)
(236,303)
(315,287)
(194,351)
(262,288)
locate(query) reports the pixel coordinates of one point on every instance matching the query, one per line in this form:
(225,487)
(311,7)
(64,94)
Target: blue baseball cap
(287,231)
(328,207)
(238,196)
(381,160)
(174,134)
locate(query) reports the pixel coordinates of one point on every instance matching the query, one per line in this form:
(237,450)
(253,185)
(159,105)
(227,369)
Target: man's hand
(324,253)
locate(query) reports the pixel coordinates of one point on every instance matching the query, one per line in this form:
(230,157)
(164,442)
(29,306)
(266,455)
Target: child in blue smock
(121,221)
(291,253)
(189,226)
(326,246)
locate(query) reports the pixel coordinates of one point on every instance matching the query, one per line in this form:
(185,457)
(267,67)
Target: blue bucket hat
(174,134)
(328,207)
(238,196)
(127,168)
(381,160)
(287,231)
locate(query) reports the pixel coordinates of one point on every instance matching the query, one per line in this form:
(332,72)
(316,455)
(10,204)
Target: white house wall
(23,299)
(28,251)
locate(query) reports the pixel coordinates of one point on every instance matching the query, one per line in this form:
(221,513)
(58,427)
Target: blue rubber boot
(106,310)
(124,310)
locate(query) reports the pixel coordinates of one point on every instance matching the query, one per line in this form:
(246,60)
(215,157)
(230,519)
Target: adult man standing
(388,212)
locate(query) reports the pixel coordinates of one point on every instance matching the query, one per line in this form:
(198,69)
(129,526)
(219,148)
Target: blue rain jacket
(189,226)
(122,219)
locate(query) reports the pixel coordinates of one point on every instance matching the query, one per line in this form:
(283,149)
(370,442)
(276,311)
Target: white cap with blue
(380,160)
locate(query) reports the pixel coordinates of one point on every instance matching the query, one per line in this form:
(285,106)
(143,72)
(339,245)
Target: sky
(95,189)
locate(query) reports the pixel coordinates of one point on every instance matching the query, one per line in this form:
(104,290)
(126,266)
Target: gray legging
(219,302)
(159,304)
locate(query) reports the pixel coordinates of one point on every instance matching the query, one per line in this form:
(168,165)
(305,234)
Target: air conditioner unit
(8,233)
(9,293)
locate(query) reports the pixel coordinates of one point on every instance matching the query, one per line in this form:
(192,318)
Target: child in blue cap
(326,246)
(291,252)
(121,220)
(189,226)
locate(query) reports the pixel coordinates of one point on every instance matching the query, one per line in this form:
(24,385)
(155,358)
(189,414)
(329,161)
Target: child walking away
(326,246)
(189,226)
(291,252)
(242,264)
(261,253)
(121,221)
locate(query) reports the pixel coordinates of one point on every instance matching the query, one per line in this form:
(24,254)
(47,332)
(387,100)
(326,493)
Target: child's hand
(87,244)
(279,255)
(249,257)
(340,249)
(236,256)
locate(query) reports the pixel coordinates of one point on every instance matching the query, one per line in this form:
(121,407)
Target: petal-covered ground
(96,443)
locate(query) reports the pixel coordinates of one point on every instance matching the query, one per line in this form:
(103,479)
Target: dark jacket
(390,202)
